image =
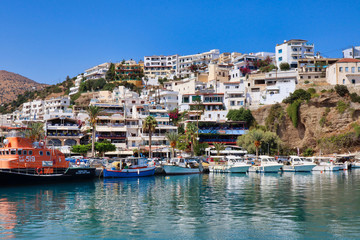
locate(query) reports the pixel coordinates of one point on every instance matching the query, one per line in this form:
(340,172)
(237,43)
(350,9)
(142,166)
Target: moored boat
(324,164)
(23,161)
(233,164)
(129,168)
(266,165)
(181,166)
(298,164)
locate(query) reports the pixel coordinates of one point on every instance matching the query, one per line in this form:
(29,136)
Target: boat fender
(77,161)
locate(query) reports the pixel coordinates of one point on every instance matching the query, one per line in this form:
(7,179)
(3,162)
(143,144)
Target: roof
(348,60)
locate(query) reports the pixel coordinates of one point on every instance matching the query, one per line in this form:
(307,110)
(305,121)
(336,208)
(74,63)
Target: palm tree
(36,131)
(256,136)
(219,147)
(149,125)
(93,112)
(191,132)
(172,137)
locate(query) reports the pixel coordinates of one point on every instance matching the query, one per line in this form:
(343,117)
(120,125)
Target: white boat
(233,164)
(298,164)
(180,166)
(324,164)
(266,165)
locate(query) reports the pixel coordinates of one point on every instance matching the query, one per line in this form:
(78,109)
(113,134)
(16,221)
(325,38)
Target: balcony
(111,136)
(62,127)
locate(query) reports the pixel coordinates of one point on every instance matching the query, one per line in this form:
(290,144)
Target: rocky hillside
(326,123)
(12,84)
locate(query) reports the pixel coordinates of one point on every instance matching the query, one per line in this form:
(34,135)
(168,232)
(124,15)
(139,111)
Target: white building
(59,103)
(97,72)
(200,59)
(293,50)
(353,52)
(169,99)
(160,66)
(75,89)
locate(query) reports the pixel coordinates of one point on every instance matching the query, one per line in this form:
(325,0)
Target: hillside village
(202,88)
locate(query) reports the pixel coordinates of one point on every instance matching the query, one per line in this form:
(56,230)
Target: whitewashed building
(292,50)
(353,52)
(346,71)
(97,72)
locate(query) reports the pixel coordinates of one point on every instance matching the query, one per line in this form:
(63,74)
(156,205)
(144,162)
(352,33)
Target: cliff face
(317,119)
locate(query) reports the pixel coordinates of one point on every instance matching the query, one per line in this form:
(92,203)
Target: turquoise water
(209,206)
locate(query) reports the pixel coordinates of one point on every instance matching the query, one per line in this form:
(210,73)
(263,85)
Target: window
(241,103)
(346,69)
(7,152)
(13,151)
(185,99)
(343,81)
(280,51)
(19,152)
(353,81)
(232,103)
(41,153)
(24,152)
(227,87)
(280,59)
(353,69)
(340,69)
(358,69)
(196,98)
(47,153)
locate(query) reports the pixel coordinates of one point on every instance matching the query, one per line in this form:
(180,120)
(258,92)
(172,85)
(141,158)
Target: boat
(129,168)
(232,164)
(23,161)
(265,164)
(181,166)
(324,164)
(298,164)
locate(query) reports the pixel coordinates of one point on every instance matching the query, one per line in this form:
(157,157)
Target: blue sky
(46,40)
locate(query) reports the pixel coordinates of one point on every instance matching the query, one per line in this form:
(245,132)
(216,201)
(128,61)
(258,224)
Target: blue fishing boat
(129,168)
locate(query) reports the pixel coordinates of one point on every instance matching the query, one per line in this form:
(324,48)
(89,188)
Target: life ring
(77,161)
(38,170)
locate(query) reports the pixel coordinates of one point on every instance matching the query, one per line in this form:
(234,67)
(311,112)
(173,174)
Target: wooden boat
(22,161)
(129,168)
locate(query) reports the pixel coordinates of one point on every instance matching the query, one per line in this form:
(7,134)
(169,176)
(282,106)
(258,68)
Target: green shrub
(342,106)
(308,152)
(284,66)
(306,82)
(354,97)
(322,121)
(299,94)
(323,91)
(275,117)
(311,91)
(293,112)
(341,90)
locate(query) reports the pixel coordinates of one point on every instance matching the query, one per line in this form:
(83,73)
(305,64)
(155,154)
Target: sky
(47,40)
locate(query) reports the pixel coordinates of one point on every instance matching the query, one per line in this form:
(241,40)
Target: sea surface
(209,206)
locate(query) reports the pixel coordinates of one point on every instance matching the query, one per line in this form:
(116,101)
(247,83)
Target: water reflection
(225,206)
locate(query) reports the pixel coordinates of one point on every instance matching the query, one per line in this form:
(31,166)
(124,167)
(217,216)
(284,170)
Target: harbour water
(208,206)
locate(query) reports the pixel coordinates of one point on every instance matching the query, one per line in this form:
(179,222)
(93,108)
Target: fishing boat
(181,166)
(324,164)
(233,164)
(298,164)
(23,161)
(129,168)
(265,164)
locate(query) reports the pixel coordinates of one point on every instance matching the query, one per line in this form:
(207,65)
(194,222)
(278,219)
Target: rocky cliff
(319,118)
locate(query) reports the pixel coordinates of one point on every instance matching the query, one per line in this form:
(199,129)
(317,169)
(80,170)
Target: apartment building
(160,66)
(62,131)
(75,89)
(345,71)
(97,72)
(130,71)
(292,50)
(314,69)
(353,52)
(200,59)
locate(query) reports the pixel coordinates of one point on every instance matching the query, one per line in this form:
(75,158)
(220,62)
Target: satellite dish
(6,141)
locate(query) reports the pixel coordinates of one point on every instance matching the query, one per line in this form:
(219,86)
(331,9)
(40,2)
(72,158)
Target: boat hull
(326,168)
(298,168)
(177,170)
(71,174)
(266,168)
(229,169)
(129,173)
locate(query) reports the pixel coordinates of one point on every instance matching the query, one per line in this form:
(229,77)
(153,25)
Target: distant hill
(12,84)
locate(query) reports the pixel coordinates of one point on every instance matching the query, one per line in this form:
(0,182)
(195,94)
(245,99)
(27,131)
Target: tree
(191,133)
(241,114)
(104,146)
(149,126)
(81,149)
(299,94)
(173,138)
(110,74)
(219,147)
(36,131)
(284,66)
(93,112)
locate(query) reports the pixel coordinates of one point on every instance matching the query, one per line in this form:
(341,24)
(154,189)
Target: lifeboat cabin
(21,155)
